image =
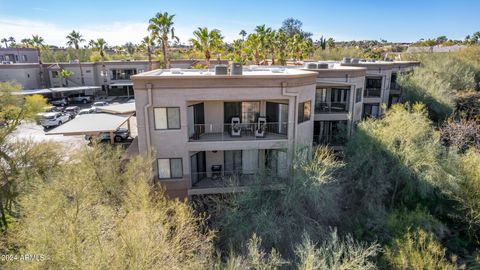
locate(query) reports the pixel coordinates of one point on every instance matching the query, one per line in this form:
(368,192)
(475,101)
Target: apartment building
(381,87)
(338,101)
(206,129)
(18,55)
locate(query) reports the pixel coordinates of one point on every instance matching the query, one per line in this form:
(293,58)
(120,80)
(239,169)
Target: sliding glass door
(277,117)
(198,168)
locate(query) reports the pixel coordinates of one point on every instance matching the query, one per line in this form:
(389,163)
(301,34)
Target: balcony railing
(331,107)
(237,178)
(372,92)
(239,132)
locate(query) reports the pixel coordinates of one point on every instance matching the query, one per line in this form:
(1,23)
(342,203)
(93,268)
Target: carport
(91,124)
(121,109)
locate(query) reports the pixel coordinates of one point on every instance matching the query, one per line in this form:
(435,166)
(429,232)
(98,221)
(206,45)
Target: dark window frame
(301,117)
(166,111)
(170,167)
(359,95)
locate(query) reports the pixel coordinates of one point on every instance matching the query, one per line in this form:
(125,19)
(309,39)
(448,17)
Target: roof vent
(311,65)
(176,71)
(221,70)
(355,61)
(236,68)
(347,60)
(322,65)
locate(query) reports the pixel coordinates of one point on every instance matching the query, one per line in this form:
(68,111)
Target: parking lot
(36,133)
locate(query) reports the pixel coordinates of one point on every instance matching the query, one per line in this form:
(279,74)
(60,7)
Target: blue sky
(121,21)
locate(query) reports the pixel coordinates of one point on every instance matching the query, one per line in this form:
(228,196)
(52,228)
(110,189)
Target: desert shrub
(461,134)
(417,250)
(307,203)
(336,253)
(100,212)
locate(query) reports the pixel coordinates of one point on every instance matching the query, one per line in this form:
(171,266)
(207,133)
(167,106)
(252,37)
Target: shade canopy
(125,108)
(56,90)
(90,124)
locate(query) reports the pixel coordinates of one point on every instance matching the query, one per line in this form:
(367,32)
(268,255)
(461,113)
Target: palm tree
(129,48)
(38,43)
(5,40)
(262,33)
(100,45)
(253,47)
(207,42)
(74,39)
(162,28)
(26,42)
(12,41)
(65,75)
(148,43)
(243,33)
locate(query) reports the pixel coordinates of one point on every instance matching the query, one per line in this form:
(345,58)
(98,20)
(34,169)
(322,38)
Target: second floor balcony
(373,87)
(332,100)
(238,131)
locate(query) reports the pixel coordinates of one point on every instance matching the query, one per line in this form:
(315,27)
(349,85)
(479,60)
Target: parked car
(97,104)
(81,98)
(53,119)
(72,111)
(120,135)
(86,111)
(59,102)
(47,109)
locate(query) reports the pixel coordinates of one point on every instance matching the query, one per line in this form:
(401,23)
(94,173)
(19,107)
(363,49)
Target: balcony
(238,132)
(331,107)
(372,92)
(233,181)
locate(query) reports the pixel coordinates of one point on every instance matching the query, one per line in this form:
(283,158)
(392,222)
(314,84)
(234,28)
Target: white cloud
(115,33)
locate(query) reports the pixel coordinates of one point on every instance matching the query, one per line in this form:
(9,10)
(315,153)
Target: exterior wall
(27,75)
(18,55)
(176,144)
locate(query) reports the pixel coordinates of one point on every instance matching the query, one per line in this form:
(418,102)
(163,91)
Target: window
(88,71)
(330,132)
(55,74)
(371,110)
(373,87)
(141,71)
(332,100)
(169,168)
(393,82)
(24,58)
(304,111)
(167,118)
(122,74)
(358,96)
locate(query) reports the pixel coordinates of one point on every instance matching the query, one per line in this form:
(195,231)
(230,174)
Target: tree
(74,39)
(5,40)
(38,43)
(293,26)
(208,42)
(331,43)
(12,41)
(100,45)
(161,27)
(253,47)
(148,43)
(263,35)
(66,74)
(102,212)
(243,34)
(13,110)
(129,48)
(323,43)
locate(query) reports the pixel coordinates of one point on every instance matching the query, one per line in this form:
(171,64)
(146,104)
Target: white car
(99,104)
(86,111)
(54,119)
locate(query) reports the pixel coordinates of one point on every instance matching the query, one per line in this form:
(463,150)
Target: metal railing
(234,178)
(372,92)
(329,107)
(242,131)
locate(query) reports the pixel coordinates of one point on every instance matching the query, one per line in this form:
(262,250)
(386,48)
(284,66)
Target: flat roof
(56,90)
(125,108)
(90,124)
(252,71)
